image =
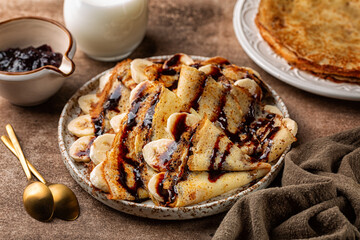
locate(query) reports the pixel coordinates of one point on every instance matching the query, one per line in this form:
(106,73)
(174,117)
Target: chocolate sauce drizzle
(180,127)
(196,65)
(168,71)
(113,101)
(261,143)
(178,172)
(110,105)
(86,151)
(174,60)
(220,111)
(215,73)
(164,158)
(160,187)
(98,125)
(148,120)
(196,100)
(215,172)
(123,149)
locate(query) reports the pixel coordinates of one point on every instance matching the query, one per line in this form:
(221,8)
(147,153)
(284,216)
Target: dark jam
(27,59)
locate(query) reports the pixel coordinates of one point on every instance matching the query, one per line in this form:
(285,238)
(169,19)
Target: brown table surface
(201,27)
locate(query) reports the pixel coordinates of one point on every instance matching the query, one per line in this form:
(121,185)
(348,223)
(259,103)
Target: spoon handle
(10,146)
(19,151)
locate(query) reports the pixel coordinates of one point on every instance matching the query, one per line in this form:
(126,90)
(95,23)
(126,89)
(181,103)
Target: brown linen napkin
(319,197)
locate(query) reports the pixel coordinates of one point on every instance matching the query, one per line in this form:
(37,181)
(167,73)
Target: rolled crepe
(222,102)
(210,149)
(125,171)
(268,135)
(213,150)
(113,99)
(190,85)
(283,138)
(198,186)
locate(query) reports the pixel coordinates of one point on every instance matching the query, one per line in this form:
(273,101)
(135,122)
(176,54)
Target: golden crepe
(113,98)
(211,149)
(197,187)
(124,170)
(185,130)
(321,37)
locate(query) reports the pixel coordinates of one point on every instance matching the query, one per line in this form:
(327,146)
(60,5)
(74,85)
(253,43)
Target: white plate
(147,209)
(261,53)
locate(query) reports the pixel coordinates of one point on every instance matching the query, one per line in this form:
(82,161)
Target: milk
(107,30)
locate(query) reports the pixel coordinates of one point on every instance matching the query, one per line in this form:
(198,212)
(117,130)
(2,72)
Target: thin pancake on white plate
(317,36)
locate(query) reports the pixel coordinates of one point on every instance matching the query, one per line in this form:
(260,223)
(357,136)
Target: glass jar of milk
(107,30)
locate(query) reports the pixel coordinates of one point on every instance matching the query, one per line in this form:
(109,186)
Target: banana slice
(152,186)
(185,59)
(104,80)
(116,121)
(250,85)
(291,125)
(97,178)
(134,92)
(178,60)
(137,68)
(172,121)
(86,101)
(100,146)
(207,69)
(216,61)
(79,150)
(81,126)
(272,109)
(155,152)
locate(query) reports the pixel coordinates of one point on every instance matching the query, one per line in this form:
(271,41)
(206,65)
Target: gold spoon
(37,197)
(66,204)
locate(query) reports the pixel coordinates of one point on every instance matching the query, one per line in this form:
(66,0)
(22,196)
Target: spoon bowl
(38,201)
(66,204)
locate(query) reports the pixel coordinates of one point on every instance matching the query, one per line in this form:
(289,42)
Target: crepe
(125,171)
(211,149)
(113,98)
(198,186)
(317,36)
(199,147)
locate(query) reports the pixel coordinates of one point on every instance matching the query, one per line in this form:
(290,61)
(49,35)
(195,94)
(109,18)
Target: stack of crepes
(322,37)
(178,131)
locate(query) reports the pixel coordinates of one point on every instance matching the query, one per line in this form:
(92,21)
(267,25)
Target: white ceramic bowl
(36,86)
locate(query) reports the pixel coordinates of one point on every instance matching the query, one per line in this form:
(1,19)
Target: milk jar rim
(110,4)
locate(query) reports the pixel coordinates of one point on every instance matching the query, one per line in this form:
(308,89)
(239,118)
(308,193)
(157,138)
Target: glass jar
(107,30)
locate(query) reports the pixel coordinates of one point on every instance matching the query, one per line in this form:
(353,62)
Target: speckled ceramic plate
(147,209)
(262,54)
